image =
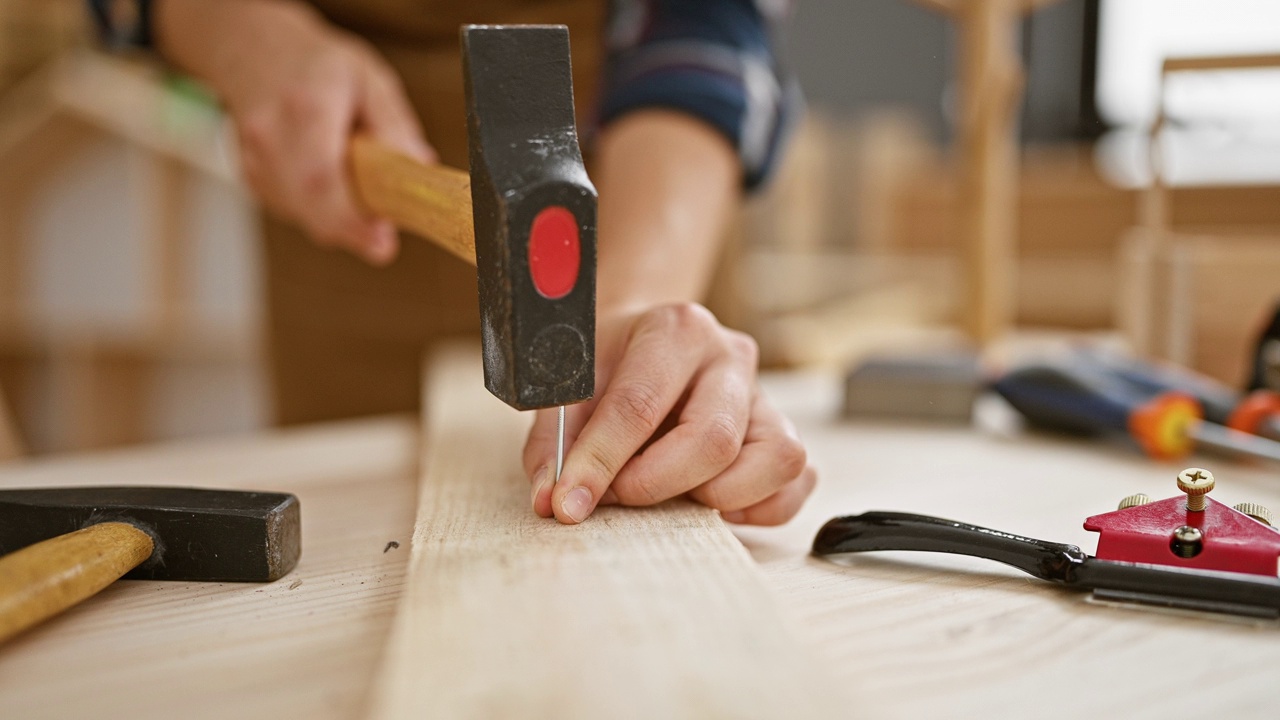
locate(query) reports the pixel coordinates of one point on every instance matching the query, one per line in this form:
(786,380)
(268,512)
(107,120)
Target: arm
(295,88)
(678,408)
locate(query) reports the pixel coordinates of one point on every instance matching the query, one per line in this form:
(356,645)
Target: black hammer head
(535,216)
(199,534)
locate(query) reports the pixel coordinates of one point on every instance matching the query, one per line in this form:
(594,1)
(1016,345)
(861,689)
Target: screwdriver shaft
(1224,439)
(560,443)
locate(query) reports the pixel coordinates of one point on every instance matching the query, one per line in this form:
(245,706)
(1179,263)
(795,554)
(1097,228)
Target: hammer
(62,545)
(525,215)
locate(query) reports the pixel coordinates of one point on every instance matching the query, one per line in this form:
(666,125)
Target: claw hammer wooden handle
(433,201)
(44,579)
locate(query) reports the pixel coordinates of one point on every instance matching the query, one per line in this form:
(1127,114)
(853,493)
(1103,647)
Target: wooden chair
(1199,270)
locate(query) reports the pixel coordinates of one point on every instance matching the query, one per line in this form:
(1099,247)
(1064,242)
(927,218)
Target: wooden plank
(306,646)
(922,635)
(644,613)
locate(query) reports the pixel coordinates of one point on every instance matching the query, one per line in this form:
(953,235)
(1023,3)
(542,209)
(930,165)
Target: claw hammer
(525,215)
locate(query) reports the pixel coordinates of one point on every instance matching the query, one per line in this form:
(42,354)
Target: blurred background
(1136,173)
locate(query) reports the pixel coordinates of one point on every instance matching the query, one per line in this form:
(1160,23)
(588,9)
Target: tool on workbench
(59,546)
(1076,398)
(525,215)
(1257,413)
(937,387)
(1186,552)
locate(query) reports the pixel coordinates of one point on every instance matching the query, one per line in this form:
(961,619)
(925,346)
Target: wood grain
(920,635)
(305,646)
(909,635)
(41,580)
(644,613)
(433,201)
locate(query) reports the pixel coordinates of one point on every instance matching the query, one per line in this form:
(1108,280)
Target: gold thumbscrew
(1255,511)
(1134,501)
(1195,482)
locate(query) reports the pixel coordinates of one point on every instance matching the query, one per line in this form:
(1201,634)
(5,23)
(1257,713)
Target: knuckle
(317,180)
(791,458)
(714,495)
(744,345)
(599,467)
(643,489)
(640,406)
(721,440)
(256,129)
(809,480)
(692,317)
(302,100)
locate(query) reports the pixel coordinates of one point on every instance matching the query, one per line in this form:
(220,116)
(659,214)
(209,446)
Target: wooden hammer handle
(42,580)
(433,201)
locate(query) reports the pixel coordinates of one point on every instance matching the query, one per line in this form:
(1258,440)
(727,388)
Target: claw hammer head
(535,216)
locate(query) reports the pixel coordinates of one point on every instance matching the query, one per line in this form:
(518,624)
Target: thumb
(540,451)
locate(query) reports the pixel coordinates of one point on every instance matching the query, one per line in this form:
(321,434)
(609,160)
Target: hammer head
(221,535)
(535,216)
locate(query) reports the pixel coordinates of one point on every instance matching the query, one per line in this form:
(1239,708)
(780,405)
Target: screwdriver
(1081,399)
(1257,413)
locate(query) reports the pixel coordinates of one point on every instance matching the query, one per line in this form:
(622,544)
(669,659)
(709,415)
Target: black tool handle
(1071,398)
(880,530)
(1218,400)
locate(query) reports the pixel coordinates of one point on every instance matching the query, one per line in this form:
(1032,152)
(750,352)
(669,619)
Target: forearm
(216,40)
(667,184)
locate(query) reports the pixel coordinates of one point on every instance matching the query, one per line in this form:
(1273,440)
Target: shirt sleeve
(717,60)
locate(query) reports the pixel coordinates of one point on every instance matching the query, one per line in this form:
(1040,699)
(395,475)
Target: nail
(539,479)
(577,504)
(734,516)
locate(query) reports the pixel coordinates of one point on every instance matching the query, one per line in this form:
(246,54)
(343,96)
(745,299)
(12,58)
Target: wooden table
(912,635)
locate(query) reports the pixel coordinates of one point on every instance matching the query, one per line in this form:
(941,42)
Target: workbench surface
(912,635)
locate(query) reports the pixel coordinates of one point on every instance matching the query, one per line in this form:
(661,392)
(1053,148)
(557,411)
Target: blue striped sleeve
(714,59)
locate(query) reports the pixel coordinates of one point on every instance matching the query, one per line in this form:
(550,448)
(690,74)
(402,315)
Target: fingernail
(734,516)
(577,504)
(539,479)
(609,497)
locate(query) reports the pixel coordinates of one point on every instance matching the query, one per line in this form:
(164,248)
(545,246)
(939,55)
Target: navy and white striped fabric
(717,60)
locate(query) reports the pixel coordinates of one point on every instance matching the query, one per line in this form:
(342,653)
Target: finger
(649,380)
(310,162)
(706,441)
(772,456)
(540,451)
(540,446)
(386,114)
(779,507)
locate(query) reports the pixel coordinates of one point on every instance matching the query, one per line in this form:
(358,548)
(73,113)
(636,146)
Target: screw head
(1255,511)
(1134,501)
(1195,482)
(1187,542)
(1188,534)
